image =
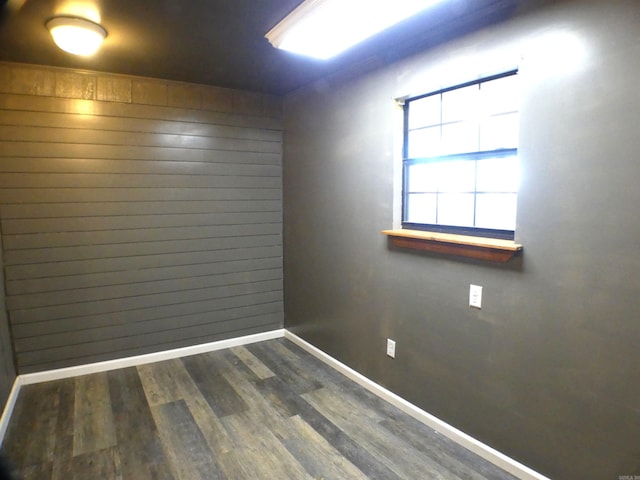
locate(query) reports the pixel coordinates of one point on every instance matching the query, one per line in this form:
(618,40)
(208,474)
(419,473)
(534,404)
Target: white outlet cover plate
(391,348)
(475,296)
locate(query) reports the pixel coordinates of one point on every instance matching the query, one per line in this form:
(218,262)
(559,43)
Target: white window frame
(476,155)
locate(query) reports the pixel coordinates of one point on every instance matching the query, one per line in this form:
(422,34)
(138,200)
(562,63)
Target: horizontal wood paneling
(80,336)
(130,345)
(171,311)
(7,365)
(62,210)
(89,252)
(43,240)
(132,276)
(74,165)
(79,121)
(138,216)
(86,151)
(42,104)
(140,262)
(122,222)
(46,135)
(149,295)
(99,180)
(116,194)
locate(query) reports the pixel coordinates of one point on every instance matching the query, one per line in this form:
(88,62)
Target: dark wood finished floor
(265,411)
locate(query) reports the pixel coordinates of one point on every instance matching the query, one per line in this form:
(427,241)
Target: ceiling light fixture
(76,35)
(325,28)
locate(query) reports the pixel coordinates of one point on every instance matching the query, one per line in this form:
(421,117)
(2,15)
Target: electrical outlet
(475,296)
(391,348)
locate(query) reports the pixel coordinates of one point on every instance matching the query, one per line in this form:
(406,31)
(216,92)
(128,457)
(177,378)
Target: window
(460,159)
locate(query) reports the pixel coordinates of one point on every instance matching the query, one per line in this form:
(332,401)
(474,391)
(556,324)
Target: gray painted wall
(547,372)
(137,215)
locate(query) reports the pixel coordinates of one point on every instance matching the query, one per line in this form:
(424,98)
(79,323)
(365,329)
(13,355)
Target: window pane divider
(471,156)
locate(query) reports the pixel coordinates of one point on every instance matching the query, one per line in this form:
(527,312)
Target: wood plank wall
(7,365)
(137,215)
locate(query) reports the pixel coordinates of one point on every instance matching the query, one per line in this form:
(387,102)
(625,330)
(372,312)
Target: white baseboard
(8,408)
(69,372)
(490,454)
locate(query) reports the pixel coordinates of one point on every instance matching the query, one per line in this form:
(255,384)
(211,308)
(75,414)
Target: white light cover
(77,36)
(325,28)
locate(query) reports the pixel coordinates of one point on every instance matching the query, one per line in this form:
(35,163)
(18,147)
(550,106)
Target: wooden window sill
(489,249)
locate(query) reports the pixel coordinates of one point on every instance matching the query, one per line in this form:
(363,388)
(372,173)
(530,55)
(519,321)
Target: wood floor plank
(445,452)
(159,382)
(168,381)
(367,462)
(441,449)
(222,397)
(139,447)
(260,428)
(319,458)
(63,449)
(258,409)
(282,399)
(34,472)
(430,447)
(184,444)
(36,412)
(97,464)
(93,418)
(261,454)
(398,456)
(249,359)
(288,368)
(282,396)
(261,412)
(324,374)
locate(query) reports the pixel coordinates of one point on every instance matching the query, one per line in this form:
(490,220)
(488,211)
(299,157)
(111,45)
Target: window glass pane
(424,143)
(500,131)
(461,137)
(500,96)
(455,209)
(457,176)
(496,210)
(461,104)
(424,112)
(498,175)
(424,177)
(453,132)
(421,208)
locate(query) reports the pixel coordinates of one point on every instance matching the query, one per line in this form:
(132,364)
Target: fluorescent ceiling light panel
(325,28)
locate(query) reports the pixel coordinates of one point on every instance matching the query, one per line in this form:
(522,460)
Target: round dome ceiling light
(76,35)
